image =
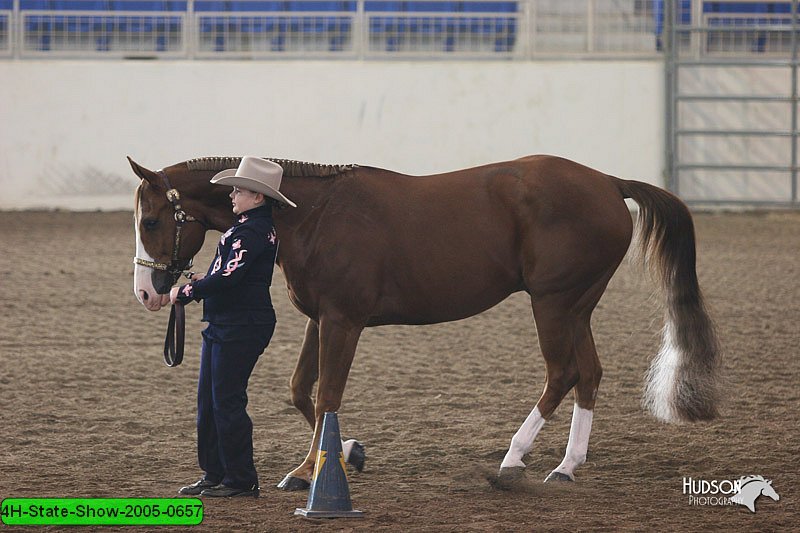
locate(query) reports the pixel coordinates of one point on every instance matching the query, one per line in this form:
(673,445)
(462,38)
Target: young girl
(241,320)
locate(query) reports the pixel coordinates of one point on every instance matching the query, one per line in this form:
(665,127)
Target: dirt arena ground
(88,408)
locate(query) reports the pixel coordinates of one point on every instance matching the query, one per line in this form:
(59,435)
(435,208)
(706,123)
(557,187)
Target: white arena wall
(66,126)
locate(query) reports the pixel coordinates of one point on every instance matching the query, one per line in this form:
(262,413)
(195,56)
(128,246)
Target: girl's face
(244,200)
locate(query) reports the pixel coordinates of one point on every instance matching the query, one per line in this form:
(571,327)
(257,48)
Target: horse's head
(750,488)
(169,232)
(768,491)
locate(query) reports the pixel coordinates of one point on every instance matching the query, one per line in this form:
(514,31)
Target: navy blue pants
(224,430)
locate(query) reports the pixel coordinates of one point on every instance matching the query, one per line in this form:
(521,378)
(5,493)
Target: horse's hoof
(557,476)
(357,457)
(509,476)
(291,483)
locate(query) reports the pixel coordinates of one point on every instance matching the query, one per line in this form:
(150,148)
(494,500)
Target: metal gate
(732,102)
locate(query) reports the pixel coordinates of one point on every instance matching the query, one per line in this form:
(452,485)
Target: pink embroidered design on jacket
(225,236)
(272,237)
(236,244)
(217,264)
(242,219)
(234,263)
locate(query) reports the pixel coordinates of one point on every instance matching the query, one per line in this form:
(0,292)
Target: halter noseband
(181,217)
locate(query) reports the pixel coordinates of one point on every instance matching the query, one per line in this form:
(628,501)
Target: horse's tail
(682,380)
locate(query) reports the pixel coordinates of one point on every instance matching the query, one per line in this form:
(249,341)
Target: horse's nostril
(144,295)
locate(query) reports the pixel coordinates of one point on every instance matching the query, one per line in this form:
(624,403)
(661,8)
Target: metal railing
(593,27)
(350,29)
(252,33)
(53,34)
(732,105)
(500,29)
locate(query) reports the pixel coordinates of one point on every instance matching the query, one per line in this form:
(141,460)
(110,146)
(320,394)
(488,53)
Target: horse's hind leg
(589,375)
(556,329)
(562,323)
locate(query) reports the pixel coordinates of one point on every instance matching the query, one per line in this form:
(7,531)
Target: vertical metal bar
(191,35)
(523,48)
(670,51)
(590,26)
(15,23)
(697,38)
(361,31)
(794,100)
(531,10)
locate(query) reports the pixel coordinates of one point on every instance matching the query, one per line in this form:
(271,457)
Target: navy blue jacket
(235,290)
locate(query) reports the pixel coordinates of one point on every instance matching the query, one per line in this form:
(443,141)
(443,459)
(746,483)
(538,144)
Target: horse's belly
(435,303)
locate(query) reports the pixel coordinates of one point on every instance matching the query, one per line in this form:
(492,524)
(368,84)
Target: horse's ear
(145,174)
(769,482)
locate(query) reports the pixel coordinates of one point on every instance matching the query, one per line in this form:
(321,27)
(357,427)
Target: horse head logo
(750,488)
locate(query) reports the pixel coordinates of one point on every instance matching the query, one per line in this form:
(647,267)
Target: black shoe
(224,491)
(196,488)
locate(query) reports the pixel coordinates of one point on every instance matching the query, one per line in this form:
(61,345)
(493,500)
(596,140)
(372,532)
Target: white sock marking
(522,442)
(578,443)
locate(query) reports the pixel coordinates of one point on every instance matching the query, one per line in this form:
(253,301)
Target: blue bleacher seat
(80,5)
(211,24)
(439,7)
(77,23)
(138,5)
(394,27)
(319,24)
(489,7)
(312,6)
(38,5)
(685,7)
(431,25)
(36,23)
(383,6)
(256,6)
(317,6)
(135,23)
(211,6)
(747,7)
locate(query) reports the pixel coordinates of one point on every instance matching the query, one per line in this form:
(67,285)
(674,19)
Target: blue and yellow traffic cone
(329,496)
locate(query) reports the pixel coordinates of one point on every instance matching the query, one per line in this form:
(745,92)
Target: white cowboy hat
(255,174)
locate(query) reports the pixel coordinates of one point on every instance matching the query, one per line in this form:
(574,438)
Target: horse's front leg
(337,346)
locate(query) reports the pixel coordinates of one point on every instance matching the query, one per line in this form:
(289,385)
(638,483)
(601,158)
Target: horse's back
(563,221)
(469,238)
(526,196)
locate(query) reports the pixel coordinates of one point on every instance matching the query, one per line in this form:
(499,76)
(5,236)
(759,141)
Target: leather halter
(174,340)
(181,217)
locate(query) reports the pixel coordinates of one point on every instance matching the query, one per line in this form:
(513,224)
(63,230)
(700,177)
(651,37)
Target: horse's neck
(216,207)
(309,193)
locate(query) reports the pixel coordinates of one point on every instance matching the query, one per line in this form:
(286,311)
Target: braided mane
(290,167)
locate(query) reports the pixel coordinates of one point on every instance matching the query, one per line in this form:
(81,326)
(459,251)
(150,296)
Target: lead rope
(176,332)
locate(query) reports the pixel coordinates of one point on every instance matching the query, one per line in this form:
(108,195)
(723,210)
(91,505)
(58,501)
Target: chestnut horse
(368,247)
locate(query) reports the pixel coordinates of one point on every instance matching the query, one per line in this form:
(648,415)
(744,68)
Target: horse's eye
(150,224)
